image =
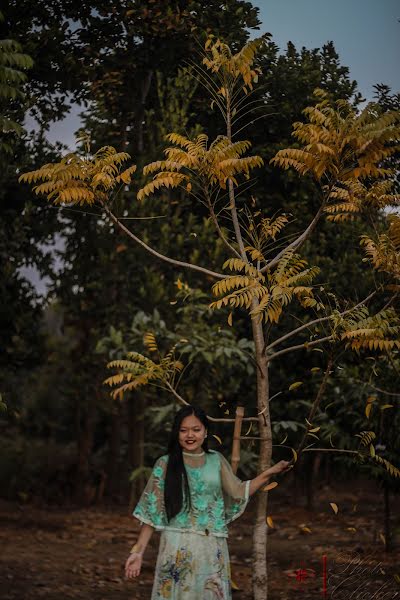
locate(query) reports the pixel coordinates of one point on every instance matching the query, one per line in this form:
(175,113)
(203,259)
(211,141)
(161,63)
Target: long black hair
(176,491)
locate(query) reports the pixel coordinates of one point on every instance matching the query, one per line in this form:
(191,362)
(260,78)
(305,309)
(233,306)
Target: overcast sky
(366,34)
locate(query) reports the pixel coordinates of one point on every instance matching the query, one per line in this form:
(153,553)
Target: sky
(366,34)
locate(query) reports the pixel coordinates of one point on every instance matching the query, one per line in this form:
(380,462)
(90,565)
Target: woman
(191,496)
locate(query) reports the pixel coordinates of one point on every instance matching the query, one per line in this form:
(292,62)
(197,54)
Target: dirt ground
(58,553)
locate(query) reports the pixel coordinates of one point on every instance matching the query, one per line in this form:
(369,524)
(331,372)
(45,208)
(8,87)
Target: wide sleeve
(235,491)
(151,508)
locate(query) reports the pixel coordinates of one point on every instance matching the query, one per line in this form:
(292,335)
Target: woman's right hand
(133,565)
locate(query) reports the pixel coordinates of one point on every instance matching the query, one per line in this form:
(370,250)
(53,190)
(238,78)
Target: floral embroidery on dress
(217,498)
(175,571)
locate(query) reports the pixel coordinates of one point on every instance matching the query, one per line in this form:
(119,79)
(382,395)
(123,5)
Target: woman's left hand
(280,467)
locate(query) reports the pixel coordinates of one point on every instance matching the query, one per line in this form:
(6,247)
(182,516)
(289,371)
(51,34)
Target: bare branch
(167,259)
(376,389)
(316,322)
(304,346)
(218,228)
(330,450)
(213,419)
(297,243)
(316,403)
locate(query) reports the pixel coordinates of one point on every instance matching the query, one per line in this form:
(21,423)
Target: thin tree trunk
(260,572)
(236,438)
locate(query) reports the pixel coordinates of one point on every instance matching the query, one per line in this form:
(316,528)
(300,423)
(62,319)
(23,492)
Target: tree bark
(260,572)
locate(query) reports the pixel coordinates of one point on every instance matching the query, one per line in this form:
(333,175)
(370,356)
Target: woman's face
(191,434)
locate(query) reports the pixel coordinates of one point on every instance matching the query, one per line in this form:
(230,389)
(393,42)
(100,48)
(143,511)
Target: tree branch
(373,387)
(172,261)
(297,243)
(330,450)
(316,402)
(213,419)
(315,322)
(218,228)
(305,345)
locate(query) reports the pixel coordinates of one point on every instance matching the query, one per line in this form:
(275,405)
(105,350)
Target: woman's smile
(191,434)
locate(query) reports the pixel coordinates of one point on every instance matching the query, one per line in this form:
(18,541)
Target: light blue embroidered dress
(193,558)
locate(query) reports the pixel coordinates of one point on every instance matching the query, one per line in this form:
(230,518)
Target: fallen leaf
(334,507)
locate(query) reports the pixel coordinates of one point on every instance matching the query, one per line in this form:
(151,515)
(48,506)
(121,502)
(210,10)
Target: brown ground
(58,554)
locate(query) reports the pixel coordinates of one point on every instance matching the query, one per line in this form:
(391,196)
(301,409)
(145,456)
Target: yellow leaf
(314,430)
(270,522)
(234,585)
(179,284)
(270,486)
(230,319)
(295,385)
(304,528)
(284,440)
(382,538)
(352,529)
(385,406)
(397,578)
(218,439)
(249,429)
(334,507)
(121,248)
(372,450)
(368,410)
(294,454)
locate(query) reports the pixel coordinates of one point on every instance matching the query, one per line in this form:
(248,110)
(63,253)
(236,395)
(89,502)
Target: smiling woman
(191,497)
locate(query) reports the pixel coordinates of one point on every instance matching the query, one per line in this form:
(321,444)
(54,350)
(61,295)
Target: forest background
(64,439)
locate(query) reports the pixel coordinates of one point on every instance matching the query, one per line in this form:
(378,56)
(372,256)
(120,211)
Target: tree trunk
(260,572)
